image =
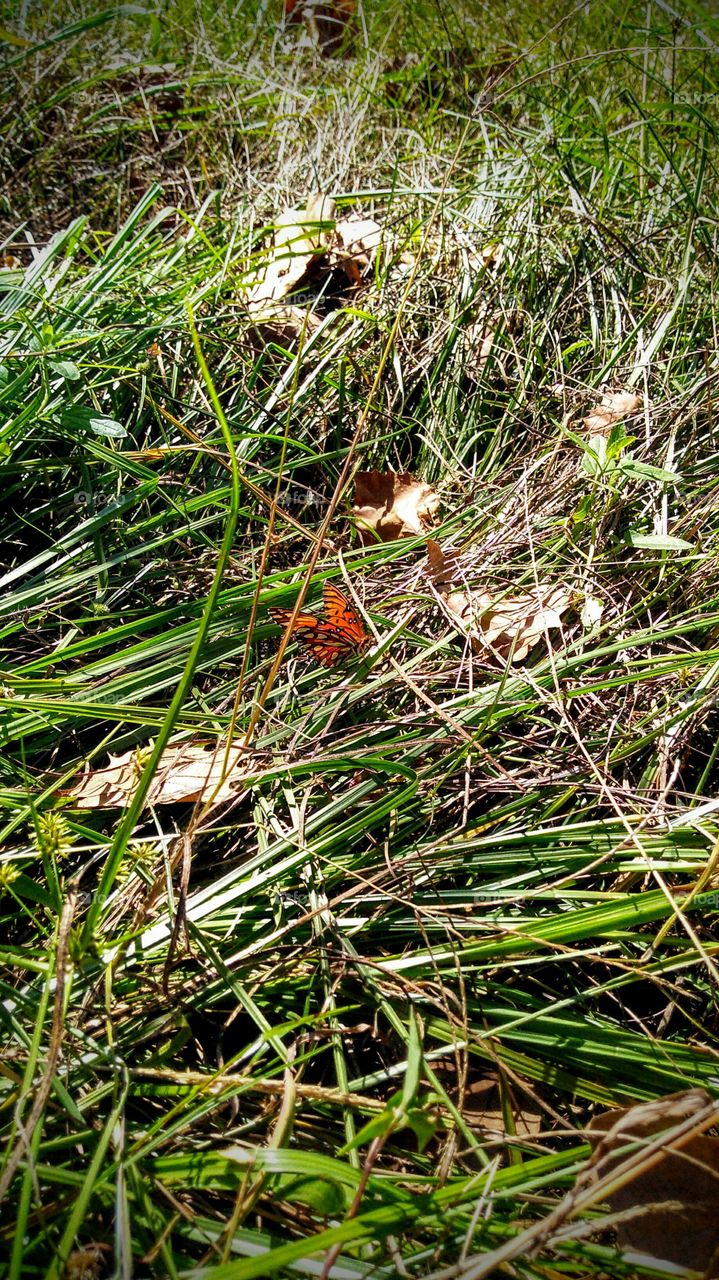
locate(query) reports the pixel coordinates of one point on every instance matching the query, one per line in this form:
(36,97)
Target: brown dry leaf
(483,1109)
(88,1263)
(307,243)
(505,625)
(282,324)
(326,21)
(490,255)
(676,1191)
(492,1121)
(389,506)
(612,407)
(301,238)
(187,773)
(443,568)
(511,625)
(357,240)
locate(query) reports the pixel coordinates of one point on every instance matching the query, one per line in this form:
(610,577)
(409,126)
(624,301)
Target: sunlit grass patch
(345,1006)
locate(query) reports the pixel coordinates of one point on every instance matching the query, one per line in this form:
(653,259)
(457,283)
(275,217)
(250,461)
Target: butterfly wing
(326,644)
(303,626)
(303,621)
(344,618)
(339,636)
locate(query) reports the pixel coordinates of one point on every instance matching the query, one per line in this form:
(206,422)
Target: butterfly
(341,635)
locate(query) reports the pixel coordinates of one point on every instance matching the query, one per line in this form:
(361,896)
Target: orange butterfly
(341,635)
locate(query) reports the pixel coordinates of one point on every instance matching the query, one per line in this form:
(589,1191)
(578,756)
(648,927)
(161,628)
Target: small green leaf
(594,459)
(66,369)
(644,471)
(582,510)
(423,1125)
(657,541)
(618,441)
(155,33)
(25,887)
(11,37)
(375,1127)
(107,427)
(320,1194)
(81,417)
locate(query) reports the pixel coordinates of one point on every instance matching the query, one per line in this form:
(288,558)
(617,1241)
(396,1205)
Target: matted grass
(352,1024)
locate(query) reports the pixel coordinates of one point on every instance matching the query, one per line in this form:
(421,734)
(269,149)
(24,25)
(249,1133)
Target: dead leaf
(592,611)
(502,624)
(612,408)
(283,324)
(87,1263)
(493,1124)
(301,238)
(675,1189)
(490,255)
(307,245)
(390,506)
(187,773)
(444,567)
(326,21)
(510,625)
(482,1108)
(357,240)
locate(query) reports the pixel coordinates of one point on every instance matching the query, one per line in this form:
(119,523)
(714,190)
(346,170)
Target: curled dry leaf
(504,625)
(308,244)
(388,506)
(187,773)
(669,1200)
(444,567)
(613,407)
(510,625)
(301,238)
(356,242)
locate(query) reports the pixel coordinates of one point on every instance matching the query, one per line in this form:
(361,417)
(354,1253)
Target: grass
(353,1023)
